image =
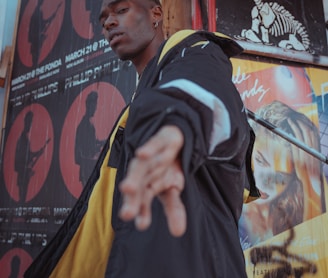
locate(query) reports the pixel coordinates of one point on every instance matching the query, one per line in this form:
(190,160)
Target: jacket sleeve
(194,91)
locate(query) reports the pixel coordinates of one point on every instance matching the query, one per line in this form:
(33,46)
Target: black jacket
(187,84)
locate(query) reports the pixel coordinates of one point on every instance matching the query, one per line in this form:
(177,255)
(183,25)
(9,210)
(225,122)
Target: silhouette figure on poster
(38,31)
(93,7)
(25,158)
(14,267)
(87,146)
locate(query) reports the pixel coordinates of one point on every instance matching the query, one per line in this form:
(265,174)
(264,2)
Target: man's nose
(110,22)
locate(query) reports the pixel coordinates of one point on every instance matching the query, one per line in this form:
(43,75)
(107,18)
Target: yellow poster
(285,232)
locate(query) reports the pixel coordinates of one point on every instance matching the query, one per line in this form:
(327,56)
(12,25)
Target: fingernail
(138,222)
(124,209)
(141,222)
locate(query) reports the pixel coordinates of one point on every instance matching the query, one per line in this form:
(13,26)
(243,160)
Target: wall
(54,84)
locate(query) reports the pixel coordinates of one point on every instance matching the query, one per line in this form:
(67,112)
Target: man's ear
(157,13)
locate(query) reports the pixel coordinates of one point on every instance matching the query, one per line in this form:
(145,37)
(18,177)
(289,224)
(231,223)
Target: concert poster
(67,89)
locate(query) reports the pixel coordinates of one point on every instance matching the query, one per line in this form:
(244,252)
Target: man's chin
(124,56)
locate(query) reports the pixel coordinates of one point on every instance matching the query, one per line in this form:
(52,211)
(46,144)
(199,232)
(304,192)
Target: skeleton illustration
(272,19)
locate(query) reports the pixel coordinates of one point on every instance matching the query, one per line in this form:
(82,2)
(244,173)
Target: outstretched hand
(155,171)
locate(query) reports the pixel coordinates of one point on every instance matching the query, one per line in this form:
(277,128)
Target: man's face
(128,26)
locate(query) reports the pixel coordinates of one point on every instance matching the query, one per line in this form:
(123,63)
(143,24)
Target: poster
(290,30)
(283,233)
(67,90)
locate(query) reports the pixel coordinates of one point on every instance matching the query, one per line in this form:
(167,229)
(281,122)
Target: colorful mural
(282,233)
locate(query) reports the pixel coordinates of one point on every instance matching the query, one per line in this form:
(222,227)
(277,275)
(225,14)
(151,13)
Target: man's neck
(140,61)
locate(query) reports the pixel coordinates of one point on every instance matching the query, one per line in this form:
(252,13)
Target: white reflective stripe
(221,129)
(205,44)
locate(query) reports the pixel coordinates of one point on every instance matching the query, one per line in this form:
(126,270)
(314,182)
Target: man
(167,191)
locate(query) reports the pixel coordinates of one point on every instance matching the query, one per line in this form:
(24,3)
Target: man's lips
(114,37)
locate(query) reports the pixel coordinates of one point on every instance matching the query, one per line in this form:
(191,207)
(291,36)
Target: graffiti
(254,86)
(272,19)
(287,264)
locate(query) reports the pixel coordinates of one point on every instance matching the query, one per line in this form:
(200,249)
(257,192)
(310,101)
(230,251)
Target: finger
(172,177)
(170,199)
(159,152)
(160,166)
(136,174)
(162,157)
(131,188)
(137,194)
(151,148)
(143,219)
(148,169)
(175,212)
(138,206)
(129,209)
(175,177)
(141,172)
